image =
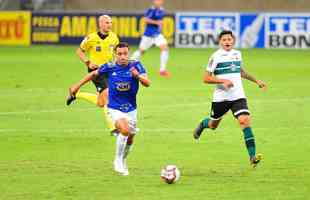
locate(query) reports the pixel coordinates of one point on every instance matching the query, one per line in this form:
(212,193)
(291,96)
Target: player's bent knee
(212,126)
(102,100)
(124,131)
(164,47)
(244,120)
(101,104)
(123,127)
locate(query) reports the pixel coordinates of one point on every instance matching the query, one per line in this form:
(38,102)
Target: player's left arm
(250,77)
(144,80)
(139,73)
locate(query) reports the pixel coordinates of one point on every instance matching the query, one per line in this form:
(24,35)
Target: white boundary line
(148,130)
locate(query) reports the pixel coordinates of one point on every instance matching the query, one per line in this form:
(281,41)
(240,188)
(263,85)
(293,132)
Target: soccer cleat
(164,73)
(198,131)
(256,159)
(70,98)
(114,133)
(125,167)
(118,166)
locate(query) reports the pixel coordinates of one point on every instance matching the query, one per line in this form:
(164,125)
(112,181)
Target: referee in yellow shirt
(95,50)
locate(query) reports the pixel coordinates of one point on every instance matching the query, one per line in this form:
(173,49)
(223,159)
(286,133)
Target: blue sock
(249,141)
(205,122)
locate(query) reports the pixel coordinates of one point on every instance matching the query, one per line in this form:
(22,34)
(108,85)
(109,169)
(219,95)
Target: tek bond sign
(252,30)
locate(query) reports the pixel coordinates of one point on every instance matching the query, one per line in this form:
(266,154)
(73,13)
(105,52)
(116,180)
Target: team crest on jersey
(233,67)
(110,64)
(123,86)
(98,48)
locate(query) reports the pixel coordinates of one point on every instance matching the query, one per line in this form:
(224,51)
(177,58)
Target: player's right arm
(209,77)
(139,72)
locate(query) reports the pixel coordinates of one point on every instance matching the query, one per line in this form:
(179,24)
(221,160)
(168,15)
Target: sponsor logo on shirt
(123,86)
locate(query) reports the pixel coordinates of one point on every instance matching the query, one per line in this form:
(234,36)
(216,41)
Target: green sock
(205,122)
(249,141)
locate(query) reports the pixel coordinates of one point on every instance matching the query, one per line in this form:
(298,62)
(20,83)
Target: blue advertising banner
(200,30)
(71,28)
(287,30)
(252,30)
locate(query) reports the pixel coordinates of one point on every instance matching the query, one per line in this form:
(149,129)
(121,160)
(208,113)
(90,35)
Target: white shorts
(147,42)
(130,116)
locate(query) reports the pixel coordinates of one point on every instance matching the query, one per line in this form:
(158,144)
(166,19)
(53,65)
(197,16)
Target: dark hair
(226,32)
(121,45)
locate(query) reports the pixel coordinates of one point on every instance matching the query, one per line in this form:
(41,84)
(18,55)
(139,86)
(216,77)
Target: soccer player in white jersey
(225,70)
(152,36)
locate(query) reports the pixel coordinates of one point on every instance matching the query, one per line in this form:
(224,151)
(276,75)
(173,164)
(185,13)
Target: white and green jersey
(227,65)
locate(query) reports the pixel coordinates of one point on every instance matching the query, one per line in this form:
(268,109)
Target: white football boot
(125,168)
(118,166)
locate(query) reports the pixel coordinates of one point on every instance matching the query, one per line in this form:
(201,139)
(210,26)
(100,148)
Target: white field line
(16,92)
(162,107)
(148,130)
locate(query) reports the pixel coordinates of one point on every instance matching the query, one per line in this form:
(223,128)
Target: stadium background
(51,151)
(267,24)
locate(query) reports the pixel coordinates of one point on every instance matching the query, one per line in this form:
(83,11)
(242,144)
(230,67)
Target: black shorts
(100,82)
(237,107)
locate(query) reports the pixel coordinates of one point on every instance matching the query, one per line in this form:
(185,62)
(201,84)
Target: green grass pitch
(51,151)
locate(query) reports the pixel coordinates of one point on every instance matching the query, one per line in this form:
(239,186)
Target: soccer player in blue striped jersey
(225,70)
(152,36)
(124,77)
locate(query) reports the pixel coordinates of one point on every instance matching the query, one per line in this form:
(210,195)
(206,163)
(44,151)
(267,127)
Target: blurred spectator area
(171,5)
(36,5)
(192,5)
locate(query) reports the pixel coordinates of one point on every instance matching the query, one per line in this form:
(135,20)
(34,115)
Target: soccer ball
(170,174)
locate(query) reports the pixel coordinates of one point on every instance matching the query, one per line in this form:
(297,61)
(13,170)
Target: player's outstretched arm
(249,77)
(76,87)
(209,78)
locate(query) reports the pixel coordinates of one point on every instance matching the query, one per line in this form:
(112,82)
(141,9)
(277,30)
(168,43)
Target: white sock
(120,146)
(163,59)
(128,149)
(136,55)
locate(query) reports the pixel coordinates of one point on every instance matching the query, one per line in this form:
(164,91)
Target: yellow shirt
(99,50)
